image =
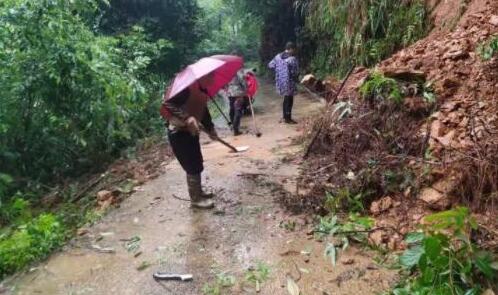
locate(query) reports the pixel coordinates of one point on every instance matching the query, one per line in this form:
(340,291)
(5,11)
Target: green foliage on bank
(74,94)
(30,242)
(72,97)
(340,32)
(443,259)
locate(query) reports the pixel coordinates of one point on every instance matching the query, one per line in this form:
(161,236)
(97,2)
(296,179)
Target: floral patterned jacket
(286,69)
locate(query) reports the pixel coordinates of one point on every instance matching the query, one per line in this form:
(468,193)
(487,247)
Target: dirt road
(152,231)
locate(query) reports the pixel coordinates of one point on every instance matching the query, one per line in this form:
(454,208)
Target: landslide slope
(404,160)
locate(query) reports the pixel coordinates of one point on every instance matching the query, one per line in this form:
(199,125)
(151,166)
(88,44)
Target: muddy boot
(206,195)
(195,193)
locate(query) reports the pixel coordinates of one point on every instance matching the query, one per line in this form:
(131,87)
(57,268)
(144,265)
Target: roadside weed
(442,259)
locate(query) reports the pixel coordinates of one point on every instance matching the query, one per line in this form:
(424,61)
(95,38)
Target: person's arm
(207,122)
(272,64)
(174,106)
(294,69)
(179,117)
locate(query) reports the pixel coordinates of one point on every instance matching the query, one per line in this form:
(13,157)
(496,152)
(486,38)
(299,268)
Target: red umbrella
(222,68)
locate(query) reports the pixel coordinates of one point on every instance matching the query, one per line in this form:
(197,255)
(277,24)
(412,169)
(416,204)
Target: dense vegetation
(73,94)
(229,29)
(338,33)
(331,35)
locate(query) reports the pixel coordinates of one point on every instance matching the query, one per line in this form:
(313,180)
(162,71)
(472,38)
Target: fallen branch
(248,174)
(91,185)
(317,95)
(360,231)
(322,123)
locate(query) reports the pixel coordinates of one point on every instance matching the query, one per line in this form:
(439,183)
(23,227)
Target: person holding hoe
(236,91)
(185,110)
(286,69)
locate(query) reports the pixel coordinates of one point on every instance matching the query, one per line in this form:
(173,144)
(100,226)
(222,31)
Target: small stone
(381,205)
(377,238)
(494,20)
(104,195)
(434,199)
(348,261)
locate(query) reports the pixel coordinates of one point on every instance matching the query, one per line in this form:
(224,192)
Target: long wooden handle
(226,144)
(221,111)
(221,140)
(253,117)
(308,149)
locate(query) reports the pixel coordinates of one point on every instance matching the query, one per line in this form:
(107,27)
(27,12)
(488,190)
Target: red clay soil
(444,157)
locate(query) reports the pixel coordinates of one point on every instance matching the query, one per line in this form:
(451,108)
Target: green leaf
(432,248)
(414,238)
(411,257)
(483,262)
(428,276)
(473,291)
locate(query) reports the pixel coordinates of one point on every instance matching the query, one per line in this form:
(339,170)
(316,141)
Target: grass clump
(223,281)
(30,242)
(442,259)
(258,275)
(379,87)
(340,233)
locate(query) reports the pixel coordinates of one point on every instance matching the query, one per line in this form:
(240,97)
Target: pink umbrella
(222,67)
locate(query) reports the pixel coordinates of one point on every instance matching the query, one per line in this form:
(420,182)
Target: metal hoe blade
(242,148)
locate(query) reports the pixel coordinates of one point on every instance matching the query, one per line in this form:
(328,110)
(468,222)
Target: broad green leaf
(483,262)
(411,257)
(428,276)
(432,248)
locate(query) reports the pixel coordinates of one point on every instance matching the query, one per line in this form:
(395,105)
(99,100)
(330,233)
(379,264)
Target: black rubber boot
(197,197)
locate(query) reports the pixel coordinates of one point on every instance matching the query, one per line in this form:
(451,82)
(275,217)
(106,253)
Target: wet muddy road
(153,231)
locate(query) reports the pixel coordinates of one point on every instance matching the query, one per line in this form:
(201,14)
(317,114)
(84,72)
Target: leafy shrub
(353,229)
(444,259)
(343,199)
(15,211)
(71,99)
(380,87)
(30,242)
(5,182)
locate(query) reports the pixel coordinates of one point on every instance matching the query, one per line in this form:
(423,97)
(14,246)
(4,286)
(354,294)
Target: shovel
(258,134)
